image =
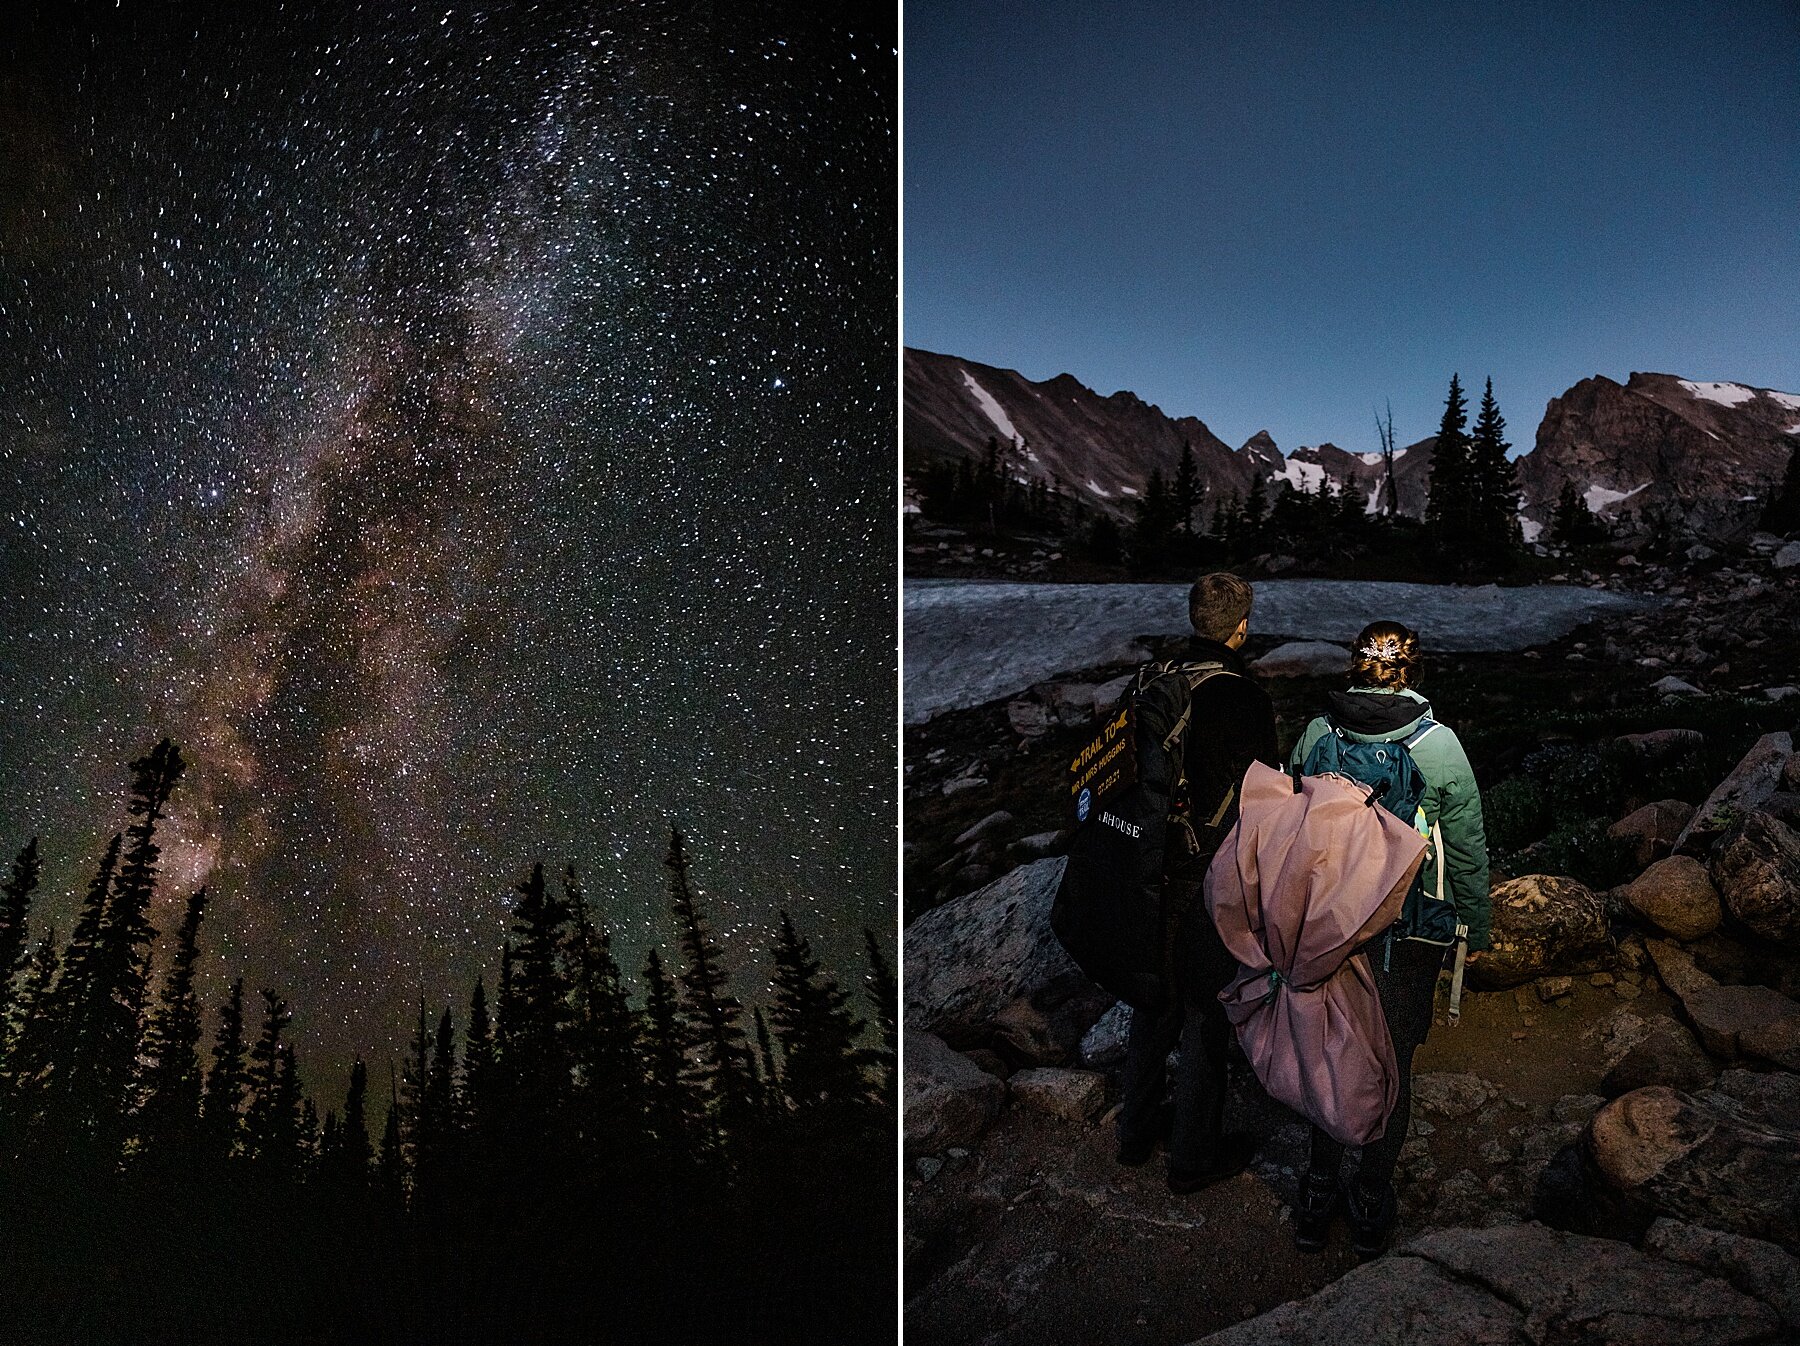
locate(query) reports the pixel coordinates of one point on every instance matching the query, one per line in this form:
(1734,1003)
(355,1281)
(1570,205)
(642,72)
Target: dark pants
(1197,1022)
(1406,981)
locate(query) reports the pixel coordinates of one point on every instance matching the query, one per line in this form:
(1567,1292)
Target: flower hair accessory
(1383,648)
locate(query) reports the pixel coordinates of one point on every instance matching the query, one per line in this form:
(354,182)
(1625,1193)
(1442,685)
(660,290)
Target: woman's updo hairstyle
(1386,654)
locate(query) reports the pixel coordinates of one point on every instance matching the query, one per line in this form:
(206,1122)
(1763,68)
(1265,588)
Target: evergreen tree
(884,996)
(15,907)
(223,1113)
(435,1166)
(535,1009)
(1187,490)
(1256,510)
(169,1113)
(721,1069)
(390,1167)
(817,1031)
(348,1167)
(769,1074)
(1574,524)
(477,1101)
(669,1105)
(605,1029)
(1493,485)
(268,1133)
(1154,528)
(1447,508)
(416,1120)
(67,1093)
(27,1057)
(1782,514)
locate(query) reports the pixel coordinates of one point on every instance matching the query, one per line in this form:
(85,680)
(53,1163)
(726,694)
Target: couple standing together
(1232,724)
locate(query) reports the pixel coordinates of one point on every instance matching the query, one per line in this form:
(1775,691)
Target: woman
(1382,706)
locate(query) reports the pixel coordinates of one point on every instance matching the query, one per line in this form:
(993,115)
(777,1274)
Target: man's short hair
(1217,603)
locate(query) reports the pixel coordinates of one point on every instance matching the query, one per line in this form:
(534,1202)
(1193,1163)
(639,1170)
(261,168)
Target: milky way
(469,435)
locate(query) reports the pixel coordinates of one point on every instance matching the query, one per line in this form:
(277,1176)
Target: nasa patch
(1083,802)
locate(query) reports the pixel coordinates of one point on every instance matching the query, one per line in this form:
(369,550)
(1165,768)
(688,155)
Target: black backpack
(1134,822)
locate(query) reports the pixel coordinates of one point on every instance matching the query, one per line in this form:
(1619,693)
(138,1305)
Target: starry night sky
(469,433)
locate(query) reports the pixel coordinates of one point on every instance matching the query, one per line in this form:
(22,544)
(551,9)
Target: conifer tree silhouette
(884,996)
(390,1167)
(476,1100)
(604,1029)
(721,1067)
(63,1107)
(770,1096)
(15,908)
(1493,485)
(817,1031)
(269,1122)
(222,1117)
(669,1106)
(1447,507)
(169,1111)
(352,1168)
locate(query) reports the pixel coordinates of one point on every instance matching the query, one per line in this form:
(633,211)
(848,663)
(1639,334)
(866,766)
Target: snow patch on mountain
(1725,394)
(992,409)
(1599,497)
(1789,400)
(1301,476)
(1098,489)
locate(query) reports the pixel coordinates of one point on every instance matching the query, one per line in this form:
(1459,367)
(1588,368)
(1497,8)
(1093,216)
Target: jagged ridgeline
(584,1159)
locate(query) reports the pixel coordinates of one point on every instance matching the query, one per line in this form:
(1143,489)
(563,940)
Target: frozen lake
(970,641)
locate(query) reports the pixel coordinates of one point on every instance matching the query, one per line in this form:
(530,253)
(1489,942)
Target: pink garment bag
(1301,880)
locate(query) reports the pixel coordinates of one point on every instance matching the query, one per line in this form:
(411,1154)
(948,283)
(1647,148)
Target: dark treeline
(1471,525)
(555,1162)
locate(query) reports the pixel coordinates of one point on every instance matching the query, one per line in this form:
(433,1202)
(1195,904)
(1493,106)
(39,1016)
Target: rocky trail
(1605,1149)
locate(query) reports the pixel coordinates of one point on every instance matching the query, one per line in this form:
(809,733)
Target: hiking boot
(1231,1158)
(1136,1152)
(1371,1219)
(1314,1212)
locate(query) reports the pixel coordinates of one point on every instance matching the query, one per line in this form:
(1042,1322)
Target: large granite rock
(1651,831)
(1073,1095)
(947,1100)
(1676,895)
(1756,868)
(1544,924)
(1666,1054)
(1732,1021)
(1751,781)
(1758,1268)
(1727,1157)
(1516,1284)
(986,969)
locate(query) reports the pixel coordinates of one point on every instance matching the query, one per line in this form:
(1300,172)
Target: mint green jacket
(1452,801)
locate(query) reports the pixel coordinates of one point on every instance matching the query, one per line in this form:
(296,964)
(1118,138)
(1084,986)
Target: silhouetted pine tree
(417,1123)
(721,1069)
(1154,528)
(476,1099)
(770,1095)
(604,1031)
(27,1061)
(1494,485)
(436,1168)
(1187,490)
(15,908)
(61,1106)
(534,1016)
(344,1162)
(1574,524)
(884,995)
(390,1167)
(817,1031)
(268,1130)
(669,1106)
(1256,511)
(1447,508)
(222,1117)
(169,1107)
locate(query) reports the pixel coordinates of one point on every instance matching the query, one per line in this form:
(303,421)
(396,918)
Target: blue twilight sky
(1282,215)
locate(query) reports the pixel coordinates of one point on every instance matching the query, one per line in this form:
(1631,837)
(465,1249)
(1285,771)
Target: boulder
(1751,781)
(1069,703)
(1303,658)
(1668,1055)
(1727,1157)
(1651,831)
(1544,924)
(947,1099)
(996,820)
(1674,686)
(1676,895)
(1788,557)
(985,968)
(1784,693)
(1756,868)
(1073,1095)
(1758,1268)
(1732,1021)
(1514,1284)
(1030,719)
(1109,694)
(1104,1044)
(1659,745)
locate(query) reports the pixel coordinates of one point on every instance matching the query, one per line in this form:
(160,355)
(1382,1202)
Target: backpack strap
(1425,726)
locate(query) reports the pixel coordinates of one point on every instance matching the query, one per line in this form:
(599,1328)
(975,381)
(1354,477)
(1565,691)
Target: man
(1232,723)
